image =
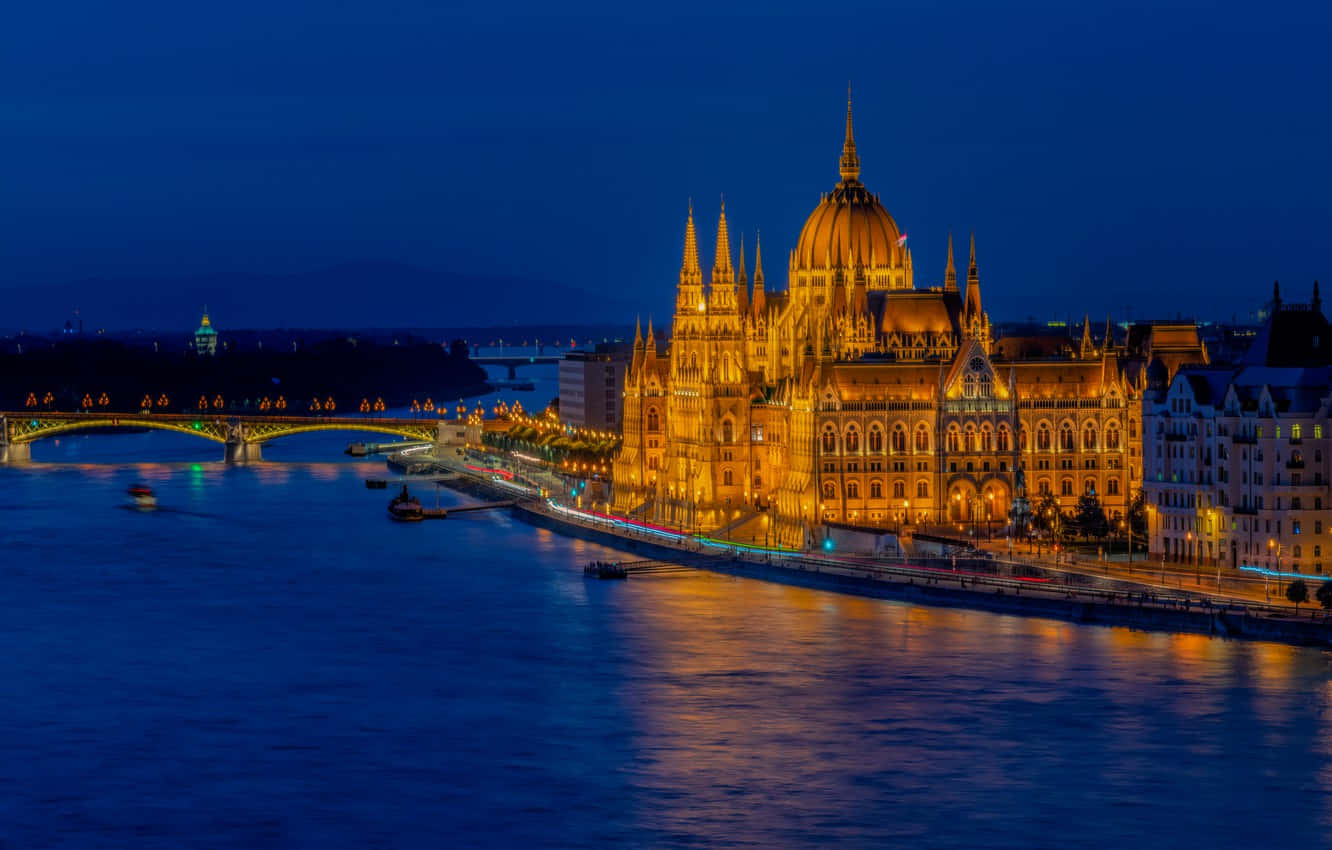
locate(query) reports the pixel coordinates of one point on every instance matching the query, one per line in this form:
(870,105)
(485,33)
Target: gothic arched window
(653,420)
(875,439)
(829,490)
(922,439)
(953,439)
(1066,437)
(922,489)
(1005,439)
(876,489)
(829,440)
(1043,437)
(1112,437)
(728,432)
(899,490)
(852,439)
(899,438)
(1089,438)
(852,490)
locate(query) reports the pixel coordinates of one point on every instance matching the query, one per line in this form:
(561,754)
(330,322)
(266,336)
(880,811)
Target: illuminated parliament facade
(857,397)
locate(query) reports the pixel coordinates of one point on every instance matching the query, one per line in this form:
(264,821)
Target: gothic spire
(1109,334)
(721,267)
(689,270)
(758,262)
(1087,348)
(850,163)
(950,271)
(973,302)
(742,290)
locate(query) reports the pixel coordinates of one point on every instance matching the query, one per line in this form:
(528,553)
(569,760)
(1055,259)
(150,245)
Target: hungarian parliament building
(856,397)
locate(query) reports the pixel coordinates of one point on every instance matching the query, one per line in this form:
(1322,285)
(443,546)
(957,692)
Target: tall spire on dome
(850,163)
(721,267)
(950,271)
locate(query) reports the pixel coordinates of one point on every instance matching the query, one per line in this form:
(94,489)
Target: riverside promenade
(989,584)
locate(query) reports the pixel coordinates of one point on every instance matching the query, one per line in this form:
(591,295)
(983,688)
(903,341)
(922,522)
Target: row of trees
(1088,519)
(554,445)
(1298,592)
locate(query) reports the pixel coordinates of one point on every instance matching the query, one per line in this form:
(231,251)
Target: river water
(267,661)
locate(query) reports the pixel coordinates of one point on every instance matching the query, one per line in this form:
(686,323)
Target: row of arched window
(1088,486)
(875,490)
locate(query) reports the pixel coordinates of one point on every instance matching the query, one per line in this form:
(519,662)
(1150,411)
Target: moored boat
(405,507)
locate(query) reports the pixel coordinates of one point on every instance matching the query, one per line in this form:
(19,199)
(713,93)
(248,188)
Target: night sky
(1149,157)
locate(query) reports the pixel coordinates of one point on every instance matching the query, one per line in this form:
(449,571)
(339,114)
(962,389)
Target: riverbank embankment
(964,583)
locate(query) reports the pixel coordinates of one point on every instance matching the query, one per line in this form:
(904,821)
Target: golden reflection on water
(754,688)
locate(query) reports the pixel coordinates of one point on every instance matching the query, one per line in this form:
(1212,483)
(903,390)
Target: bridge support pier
(239,451)
(15,453)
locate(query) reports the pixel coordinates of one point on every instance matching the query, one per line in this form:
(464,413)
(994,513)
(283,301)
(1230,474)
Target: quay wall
(938,590)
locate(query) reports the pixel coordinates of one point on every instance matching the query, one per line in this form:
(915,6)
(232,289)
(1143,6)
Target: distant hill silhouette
(368,293)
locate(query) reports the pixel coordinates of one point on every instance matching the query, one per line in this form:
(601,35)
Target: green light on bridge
(198,427)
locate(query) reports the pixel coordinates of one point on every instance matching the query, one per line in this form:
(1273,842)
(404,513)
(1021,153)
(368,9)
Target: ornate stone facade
(856,397)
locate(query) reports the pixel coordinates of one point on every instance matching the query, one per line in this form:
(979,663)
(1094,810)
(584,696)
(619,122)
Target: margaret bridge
(242,436)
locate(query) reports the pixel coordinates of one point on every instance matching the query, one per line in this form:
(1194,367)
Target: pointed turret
(950,271)
(689,270)
(1087,349)
(721,267)
(742,281)
(760,299)
(850,162)
(637,364)
(650,349)
(689,297)
(1109,341)
(973,305)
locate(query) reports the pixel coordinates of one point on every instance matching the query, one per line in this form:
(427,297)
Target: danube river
(267,661)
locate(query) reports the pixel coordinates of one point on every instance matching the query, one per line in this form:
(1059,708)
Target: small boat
(405,507)
(358,450)
(376,484)
(142,496)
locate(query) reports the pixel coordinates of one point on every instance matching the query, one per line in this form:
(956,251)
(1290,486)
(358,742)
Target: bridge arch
(242,436)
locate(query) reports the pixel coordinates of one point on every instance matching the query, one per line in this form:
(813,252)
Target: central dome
(849,226)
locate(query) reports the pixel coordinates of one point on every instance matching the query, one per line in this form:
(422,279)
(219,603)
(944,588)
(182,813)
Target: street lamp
(1188,537)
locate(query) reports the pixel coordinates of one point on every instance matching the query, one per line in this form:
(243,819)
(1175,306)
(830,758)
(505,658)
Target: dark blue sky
(1158,156)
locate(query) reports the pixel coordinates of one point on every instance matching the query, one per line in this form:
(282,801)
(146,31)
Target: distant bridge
(514,361)
(241,435)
